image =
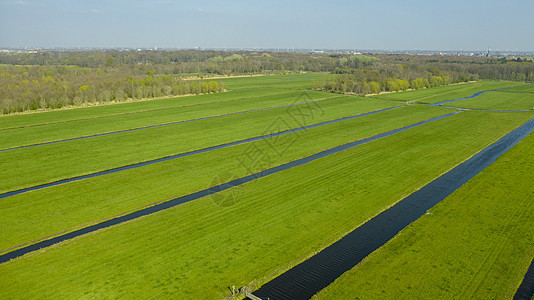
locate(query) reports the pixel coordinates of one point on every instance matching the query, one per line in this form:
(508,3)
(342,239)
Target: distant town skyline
(410,25)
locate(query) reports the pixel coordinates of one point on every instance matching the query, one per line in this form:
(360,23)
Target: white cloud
(94,11)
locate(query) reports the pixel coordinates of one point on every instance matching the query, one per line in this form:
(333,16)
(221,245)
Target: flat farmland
(448,92)
(322,184)
(17,137)
(179,177)
(501,100)
(481,255)
(53,162)
(291,81)
(527,88)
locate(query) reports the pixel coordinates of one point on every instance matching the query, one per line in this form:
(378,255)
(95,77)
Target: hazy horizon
(387,25)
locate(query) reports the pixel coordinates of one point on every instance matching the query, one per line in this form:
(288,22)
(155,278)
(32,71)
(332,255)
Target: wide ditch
(309,277)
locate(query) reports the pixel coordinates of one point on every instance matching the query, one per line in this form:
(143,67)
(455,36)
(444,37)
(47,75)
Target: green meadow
(290,81)
(477,243)
(250,234)
(527,88)
(47,163)
(84,127)
(448,92)
(133,189)
(503,100)
(203,248)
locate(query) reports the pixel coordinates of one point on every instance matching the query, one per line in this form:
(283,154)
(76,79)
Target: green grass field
(428,93)
(31,166)
(204,248)
(449,92)
(290,81)
(477,243)
(505,99)
(131,190)
(527,88)
(76,128)
(249,234)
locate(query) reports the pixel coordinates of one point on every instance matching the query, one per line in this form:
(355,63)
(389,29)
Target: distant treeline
(62,78)
(244,62)
(190,61)
(413,72)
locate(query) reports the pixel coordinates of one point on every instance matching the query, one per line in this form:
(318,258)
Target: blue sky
(386,24)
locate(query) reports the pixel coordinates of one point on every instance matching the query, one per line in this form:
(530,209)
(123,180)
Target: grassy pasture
(290,81)
(485,85)
(199,249)
(448,92)
(57,131)
(477,243)
(99,198)
(31,166)
(527,88)
(427,93)
(498,100)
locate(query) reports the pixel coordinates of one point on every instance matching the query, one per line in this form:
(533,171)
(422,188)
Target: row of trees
(28,87)
(346,84)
